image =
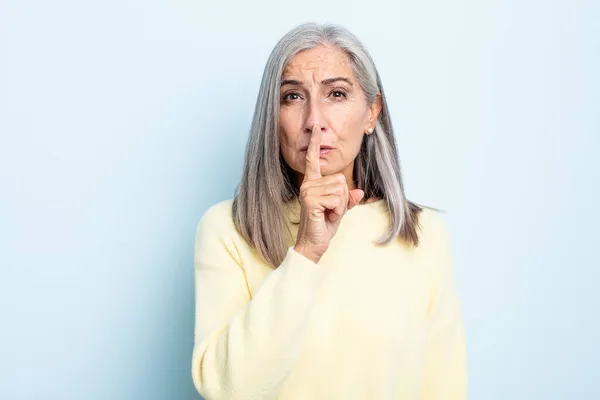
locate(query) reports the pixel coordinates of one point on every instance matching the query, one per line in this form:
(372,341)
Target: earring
(370,130)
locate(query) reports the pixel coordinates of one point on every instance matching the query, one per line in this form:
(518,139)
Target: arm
(444,363)
(245,347)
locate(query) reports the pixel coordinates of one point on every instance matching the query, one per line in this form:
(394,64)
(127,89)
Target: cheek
(288,138)
(286,143)
(347,117)
(349,127)
(290,118)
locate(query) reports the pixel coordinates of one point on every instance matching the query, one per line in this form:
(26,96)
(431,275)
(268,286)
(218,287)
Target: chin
(327,170)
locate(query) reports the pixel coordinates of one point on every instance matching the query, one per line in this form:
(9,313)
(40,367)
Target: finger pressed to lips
(313,169)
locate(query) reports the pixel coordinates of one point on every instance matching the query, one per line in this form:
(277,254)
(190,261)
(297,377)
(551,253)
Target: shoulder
(434,233)
(432,222)
(435,243)
(216,221)
(218,215)
(216,234)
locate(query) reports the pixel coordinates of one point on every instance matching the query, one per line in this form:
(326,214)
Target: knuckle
(304,191)
(308,204)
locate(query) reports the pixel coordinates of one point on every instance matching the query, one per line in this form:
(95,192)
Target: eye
(291,96)
(338,94)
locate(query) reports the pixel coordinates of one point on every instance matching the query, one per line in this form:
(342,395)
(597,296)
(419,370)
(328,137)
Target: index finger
(313,154)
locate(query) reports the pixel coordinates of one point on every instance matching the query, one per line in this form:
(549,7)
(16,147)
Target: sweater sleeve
(444,363)
(245,346)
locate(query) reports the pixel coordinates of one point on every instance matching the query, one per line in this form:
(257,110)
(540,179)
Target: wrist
(306,252)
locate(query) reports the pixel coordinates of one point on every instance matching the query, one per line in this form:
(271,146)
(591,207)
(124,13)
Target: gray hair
(268,183)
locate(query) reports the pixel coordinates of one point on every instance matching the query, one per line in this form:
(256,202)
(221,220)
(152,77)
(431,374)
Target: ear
(376,106)
(374,110)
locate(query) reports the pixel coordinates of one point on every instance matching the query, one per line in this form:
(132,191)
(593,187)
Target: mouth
(323,148)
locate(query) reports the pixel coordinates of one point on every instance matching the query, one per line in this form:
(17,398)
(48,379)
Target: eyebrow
(328,81)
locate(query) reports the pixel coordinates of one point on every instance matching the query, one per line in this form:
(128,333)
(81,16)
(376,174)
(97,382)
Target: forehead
(320,62)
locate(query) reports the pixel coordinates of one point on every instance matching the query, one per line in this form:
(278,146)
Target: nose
(314,116)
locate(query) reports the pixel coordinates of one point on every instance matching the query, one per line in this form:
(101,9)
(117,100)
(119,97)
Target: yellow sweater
(366,322)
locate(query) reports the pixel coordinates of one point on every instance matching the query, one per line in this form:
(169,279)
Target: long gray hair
(268,183)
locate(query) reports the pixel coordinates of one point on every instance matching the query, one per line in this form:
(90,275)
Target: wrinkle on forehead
(319,61)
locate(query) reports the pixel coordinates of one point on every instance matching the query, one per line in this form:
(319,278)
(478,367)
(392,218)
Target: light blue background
(122,121)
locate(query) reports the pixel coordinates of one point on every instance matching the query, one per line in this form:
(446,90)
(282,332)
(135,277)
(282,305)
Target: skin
(310,97)
(322,104)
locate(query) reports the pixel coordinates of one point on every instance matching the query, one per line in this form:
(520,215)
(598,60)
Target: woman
(319,280)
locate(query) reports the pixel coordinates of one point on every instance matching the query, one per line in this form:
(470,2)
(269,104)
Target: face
(319,87)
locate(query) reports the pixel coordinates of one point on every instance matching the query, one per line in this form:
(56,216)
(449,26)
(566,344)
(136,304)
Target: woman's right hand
(324,200)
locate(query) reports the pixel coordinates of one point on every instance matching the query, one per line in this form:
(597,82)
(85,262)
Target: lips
(322,148)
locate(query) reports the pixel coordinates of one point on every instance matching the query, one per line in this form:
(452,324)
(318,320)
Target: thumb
(354,197)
